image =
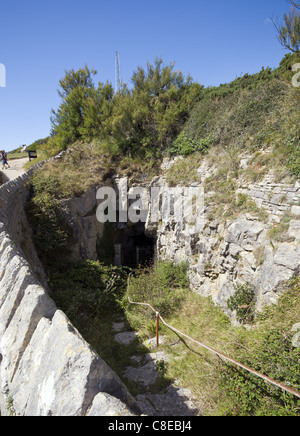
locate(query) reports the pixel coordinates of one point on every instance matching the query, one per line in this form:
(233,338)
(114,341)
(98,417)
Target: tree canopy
(288,32)
(143,119)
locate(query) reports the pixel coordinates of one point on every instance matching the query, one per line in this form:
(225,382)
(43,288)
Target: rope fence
(218,353)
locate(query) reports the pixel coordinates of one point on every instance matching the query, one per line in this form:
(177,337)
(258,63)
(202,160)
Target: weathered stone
(106,405)
(278,268)
(145,375)
(118,326)
(174,401)
(296,340)
(80,214)
(296,327)
(62,370)
(296,337)
(125,338)
(294,229)
(244,233)
(295,210)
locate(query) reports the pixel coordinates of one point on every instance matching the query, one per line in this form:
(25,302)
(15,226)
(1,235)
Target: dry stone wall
(276,198)
(46,367)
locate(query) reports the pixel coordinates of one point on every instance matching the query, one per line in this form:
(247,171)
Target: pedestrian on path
(3,158)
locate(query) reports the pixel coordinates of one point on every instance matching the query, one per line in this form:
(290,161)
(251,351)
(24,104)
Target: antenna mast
(117,72)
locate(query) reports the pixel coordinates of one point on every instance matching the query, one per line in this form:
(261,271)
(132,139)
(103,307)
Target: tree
(293,3)
(288,33)
(142,120)
(148,117)
(76,88)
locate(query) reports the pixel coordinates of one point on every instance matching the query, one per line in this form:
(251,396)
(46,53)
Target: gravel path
(16,169)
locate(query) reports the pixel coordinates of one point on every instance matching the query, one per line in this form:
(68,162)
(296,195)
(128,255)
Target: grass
(16,155)
(184,171)
(209,377)
(279,232)
(88,165)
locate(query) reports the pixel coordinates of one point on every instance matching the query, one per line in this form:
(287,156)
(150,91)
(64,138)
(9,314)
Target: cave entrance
(132,247)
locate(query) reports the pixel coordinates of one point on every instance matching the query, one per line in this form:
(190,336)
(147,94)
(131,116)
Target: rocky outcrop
(222,253)
(46,367)
(80,215)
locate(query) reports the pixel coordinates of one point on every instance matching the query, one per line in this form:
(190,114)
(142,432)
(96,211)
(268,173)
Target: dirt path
(16,169)
(173,400)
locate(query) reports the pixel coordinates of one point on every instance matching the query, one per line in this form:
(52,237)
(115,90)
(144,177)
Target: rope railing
(218,353)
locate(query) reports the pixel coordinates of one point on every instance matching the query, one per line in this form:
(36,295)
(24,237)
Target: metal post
(157,325)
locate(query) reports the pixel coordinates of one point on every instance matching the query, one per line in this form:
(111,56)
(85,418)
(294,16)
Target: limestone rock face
(80,215)
(46,367)
(222,253)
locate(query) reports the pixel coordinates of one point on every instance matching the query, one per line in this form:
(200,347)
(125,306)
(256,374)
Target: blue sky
(214,42)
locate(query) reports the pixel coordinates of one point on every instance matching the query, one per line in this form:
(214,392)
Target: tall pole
(117,72)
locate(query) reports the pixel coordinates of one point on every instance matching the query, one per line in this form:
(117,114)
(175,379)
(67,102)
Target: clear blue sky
(214,42)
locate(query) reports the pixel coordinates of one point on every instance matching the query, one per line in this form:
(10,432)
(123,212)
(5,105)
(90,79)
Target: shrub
(160,286)
(243,302)
(250,395)
(85,290)
(185,146)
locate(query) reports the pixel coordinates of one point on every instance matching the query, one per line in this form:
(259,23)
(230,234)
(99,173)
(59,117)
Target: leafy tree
(288,32)
(97,110)
(75,89)
(143,120)
(147,118)
(84,108)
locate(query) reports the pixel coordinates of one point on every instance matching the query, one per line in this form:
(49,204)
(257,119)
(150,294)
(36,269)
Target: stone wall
(224,253)
(276,198)
(46,367)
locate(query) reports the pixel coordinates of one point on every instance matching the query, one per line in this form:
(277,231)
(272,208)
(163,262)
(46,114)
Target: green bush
(250,395)
(243,302)
(85,290)
(160,286)
(185,146)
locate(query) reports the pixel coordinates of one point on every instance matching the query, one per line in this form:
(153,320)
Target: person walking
(3,158)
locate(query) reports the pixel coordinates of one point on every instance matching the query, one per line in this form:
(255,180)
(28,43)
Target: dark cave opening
(132,247)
